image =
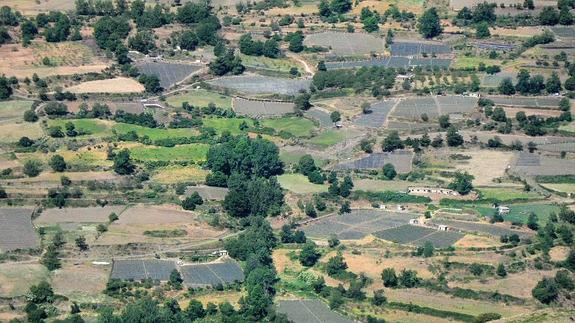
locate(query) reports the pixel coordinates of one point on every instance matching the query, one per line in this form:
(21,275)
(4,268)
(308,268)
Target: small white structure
(220,253)
(442,227)
(338,124)
(503,210)
(431,190)
(382,207)
(414,221)
(401,207)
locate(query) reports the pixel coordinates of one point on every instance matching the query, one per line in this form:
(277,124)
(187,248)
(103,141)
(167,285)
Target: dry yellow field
(34,7)
(518,285)
(115,85)
(486,165)
(11,132)
(174,174)
(67,58)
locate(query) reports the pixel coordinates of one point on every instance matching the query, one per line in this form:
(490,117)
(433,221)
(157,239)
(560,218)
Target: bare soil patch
(68,57)
(532,112)
(470,240)
(518,285)
(559,253)
(156,215)
(485,165)
(115,85)
(16,279)
(80,281)
(78,215)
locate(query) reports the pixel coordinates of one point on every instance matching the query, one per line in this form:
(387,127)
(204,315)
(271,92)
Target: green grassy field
(13,109)
(230,124)
(200,98)
(294,157)
(299,184)
(155,133)
(16,279)
(507,194)
(276,64)
(192,152)
(328,138)
(92,127)
(299,127)
(473,61)
(560,187)
(520,212)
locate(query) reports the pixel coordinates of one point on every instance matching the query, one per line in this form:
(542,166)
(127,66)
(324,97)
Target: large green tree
(429,24)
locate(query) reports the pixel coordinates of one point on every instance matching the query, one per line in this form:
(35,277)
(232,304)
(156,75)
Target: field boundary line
(218,276)
(309,310)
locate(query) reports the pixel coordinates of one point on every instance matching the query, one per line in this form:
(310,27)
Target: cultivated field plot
(16,229)
(406,48)
(115,85)
(168,73)
(154,215)
(533,164)
(459,4)
(78,215)
(257,84)
(378,115)
(564,32)
(320,115)
(260,108)
(418,236)
(493,45)
(211,274)
(142,269)
(347,44)
(393,61)
(559,147)
(474,227)
(400,125)
(13,110)
(357,224)
(456,104)
(208,192)
(413,108)
(400,159)
(16,278)
(494,80)
(310,311)
(533,102)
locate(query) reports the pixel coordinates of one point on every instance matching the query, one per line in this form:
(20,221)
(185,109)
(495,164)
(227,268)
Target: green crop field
(92,127)
(230,124)
(520,212)
(507,194)
(192,152)
(154,133)
(276,64)
(13,109)
(328,138)
(200,98)
(298,127)
(299,184)
(293,157)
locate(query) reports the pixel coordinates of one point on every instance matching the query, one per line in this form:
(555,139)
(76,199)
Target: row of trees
(527,84)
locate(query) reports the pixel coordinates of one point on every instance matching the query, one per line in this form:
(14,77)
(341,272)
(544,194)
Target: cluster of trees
(248,168)
(269,48)
(226,62)
(330,11)
(254,246)
(306,166)
(483,13)
(406,278)
(6,85)
(393,142)
(527,84)
(376,79)
(429,25)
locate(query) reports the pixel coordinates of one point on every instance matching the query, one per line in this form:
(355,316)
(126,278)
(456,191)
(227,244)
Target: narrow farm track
(306,66)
